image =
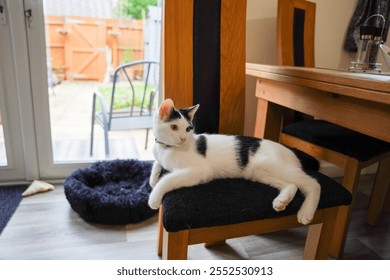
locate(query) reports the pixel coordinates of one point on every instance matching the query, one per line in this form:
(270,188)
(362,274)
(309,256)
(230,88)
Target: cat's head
(172,126)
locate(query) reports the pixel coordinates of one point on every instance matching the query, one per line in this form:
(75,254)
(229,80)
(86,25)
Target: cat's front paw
(284,198)
(280,205)
(154,200)
(305,216)
(153,182)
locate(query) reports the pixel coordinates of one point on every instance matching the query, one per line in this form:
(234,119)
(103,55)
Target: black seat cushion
(337,138)
(111,192)
(230,201)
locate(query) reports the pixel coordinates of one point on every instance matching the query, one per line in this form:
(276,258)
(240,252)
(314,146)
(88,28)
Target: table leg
(269,117)
(380,193)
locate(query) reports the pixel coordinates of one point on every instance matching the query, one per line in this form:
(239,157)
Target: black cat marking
(180,113)
(173,115)
(245,147)
(184,113)
(201,145)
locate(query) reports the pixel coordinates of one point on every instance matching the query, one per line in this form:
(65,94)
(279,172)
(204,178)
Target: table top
(368,86)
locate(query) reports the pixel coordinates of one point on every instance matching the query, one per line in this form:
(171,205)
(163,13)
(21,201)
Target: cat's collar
(162,144)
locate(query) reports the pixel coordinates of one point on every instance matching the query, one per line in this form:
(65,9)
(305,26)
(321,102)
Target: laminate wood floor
(45,227)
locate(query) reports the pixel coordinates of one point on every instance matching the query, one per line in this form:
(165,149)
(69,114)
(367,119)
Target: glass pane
(86,41)
(3,155)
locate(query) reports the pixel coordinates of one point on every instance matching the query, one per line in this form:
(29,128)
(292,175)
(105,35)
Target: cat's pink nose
(183,139)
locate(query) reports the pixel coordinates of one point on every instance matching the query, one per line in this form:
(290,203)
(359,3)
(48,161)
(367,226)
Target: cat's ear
(166,108)
(192,110)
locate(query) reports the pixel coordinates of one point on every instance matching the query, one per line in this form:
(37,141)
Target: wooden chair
(217,81)
(347,149)
(231,208)
(135,116)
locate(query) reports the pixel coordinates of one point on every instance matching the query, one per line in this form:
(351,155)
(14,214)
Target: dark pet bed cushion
(111,192)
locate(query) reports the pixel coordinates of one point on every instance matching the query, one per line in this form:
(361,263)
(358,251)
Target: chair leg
(379,192)
(350,182)
(319,237)
(106,142)
(147,137)
(92,124)
(91,142)
(160,233)
(175,245)
(386,203)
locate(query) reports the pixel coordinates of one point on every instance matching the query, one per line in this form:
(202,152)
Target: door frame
(25,102)
(36,42)
(17,112)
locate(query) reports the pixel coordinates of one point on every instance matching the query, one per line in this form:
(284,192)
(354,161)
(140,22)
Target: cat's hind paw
(305,217)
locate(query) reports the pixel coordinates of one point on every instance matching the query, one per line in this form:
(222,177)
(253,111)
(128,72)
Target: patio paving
(70,116)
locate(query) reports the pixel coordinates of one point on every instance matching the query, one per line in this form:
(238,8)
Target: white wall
(332,20)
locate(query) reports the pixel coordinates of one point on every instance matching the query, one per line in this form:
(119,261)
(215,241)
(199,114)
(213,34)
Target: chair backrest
(204,61)
(130,72)
(295,32)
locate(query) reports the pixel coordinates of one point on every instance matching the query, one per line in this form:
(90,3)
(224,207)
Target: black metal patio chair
(138,115)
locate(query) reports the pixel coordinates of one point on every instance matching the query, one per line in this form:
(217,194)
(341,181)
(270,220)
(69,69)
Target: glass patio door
(42,93)
(17,157)
(54,55)
(11,159)
(73,47)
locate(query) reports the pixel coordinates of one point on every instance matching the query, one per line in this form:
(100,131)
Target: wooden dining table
(358,101)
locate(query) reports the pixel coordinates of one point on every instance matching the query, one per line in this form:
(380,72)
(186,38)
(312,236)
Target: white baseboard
(334,171)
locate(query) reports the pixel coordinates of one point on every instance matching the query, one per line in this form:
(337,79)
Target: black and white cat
(193,159)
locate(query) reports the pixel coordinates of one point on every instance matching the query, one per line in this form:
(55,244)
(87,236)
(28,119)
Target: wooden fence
(82,48)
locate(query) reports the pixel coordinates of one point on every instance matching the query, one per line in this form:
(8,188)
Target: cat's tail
(307,161)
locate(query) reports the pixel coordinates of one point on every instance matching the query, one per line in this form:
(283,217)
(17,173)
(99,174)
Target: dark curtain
(364,9)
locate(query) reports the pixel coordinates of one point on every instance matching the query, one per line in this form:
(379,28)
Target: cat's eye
(188,129)
(174,127)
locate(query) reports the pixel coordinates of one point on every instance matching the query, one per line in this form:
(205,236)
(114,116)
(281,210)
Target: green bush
(134,8)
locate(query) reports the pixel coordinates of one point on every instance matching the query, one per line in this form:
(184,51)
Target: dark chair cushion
(230,201)
(337,138)
(111,192)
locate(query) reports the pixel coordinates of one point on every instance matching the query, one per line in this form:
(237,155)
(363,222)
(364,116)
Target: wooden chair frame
(174,245)
(178,85)
(285,31)
(352,167)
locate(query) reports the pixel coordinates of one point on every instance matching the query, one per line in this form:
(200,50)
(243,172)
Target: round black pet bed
(111,192)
